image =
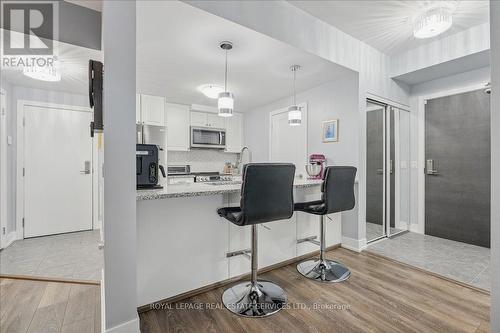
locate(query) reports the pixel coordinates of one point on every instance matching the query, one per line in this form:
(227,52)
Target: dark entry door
(457,181)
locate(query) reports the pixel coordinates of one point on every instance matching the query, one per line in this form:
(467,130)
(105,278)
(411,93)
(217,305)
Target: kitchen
(203,149)
(288,165)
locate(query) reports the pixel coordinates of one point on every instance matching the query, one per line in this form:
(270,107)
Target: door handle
(86,170)
(430,168)
(380,171)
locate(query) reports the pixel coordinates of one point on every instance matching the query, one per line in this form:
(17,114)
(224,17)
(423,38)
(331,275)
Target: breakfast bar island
(183,244)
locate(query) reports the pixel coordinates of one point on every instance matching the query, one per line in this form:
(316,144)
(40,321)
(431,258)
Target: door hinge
(24,171)
(3,230)
(23,222)
(24,121)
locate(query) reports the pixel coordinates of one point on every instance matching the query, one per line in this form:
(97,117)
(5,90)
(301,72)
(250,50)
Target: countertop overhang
(201,189)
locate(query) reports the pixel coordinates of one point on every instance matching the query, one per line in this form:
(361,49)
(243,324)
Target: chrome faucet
(241,158)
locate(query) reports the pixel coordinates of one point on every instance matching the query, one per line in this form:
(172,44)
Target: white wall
(15,93)
(458,81)
(461,44)
(120,235)
(335,99)
(495,165)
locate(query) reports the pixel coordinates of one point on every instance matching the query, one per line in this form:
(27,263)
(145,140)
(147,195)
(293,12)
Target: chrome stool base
(324,270)
(254,300)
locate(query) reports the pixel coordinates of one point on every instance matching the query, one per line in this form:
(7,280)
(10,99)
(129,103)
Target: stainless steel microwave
(207,137)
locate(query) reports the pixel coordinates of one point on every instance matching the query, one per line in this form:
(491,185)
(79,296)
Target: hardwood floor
(42,306)
(381,296)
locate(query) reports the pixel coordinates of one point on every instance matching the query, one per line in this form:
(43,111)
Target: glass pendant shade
(294,111)
(294,115)
(432,23)
(43,73)
(225,104)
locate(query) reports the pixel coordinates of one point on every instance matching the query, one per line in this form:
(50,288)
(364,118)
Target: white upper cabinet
(198,119)
(177,127)
(153,110)
(207,119)
(234,133)
(214,120)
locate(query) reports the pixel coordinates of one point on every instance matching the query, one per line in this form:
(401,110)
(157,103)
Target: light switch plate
(404,164)
(414,164)
(9,139)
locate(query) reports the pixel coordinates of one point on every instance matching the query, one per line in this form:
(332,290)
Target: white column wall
(495,165)
(120,235)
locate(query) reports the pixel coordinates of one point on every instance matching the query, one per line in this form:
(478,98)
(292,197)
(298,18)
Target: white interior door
(58,171)
(289,143)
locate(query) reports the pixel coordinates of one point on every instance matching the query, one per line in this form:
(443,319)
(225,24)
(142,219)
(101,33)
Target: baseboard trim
(352,244)
(416,228)
(46,279)
(194,292)
(11,237)
(463,284)
(131,326)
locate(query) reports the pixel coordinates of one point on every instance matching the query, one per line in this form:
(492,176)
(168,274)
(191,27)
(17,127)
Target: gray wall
(495,165)
(335,99)
(14,94)
(120,237)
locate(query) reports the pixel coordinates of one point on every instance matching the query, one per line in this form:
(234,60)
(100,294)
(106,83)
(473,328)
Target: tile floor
(463,262)
(375,230)
(74,255)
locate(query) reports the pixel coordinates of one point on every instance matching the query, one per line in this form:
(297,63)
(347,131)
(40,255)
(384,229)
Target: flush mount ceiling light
(294,111)
(211,90)
(48,73)
(225,104)
(433,22)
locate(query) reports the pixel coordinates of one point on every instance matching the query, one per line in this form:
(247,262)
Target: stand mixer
(316,167)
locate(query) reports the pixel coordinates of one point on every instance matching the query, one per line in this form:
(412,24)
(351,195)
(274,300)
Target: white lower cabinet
(182,242)
(308,224)
(278,243)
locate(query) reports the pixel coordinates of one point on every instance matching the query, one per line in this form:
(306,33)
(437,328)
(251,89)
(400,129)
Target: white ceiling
(178,50)
(387,24)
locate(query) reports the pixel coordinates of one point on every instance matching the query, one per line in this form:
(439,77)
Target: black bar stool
(266,195)
(338,196)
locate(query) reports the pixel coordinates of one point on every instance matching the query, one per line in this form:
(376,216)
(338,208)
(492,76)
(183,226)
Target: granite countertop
(200,189)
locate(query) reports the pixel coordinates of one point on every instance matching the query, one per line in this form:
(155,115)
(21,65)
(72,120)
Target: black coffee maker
(146,157)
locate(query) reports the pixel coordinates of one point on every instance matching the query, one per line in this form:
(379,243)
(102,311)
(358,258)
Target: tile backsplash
(202,160)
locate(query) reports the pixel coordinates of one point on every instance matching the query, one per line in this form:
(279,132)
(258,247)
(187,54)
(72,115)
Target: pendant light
(294,111)
(433,22)
(225,104)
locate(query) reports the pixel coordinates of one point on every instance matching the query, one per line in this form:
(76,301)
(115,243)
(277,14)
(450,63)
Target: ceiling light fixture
(433,22)
(211,90)
(294,111)
(48,73)
(225,104)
